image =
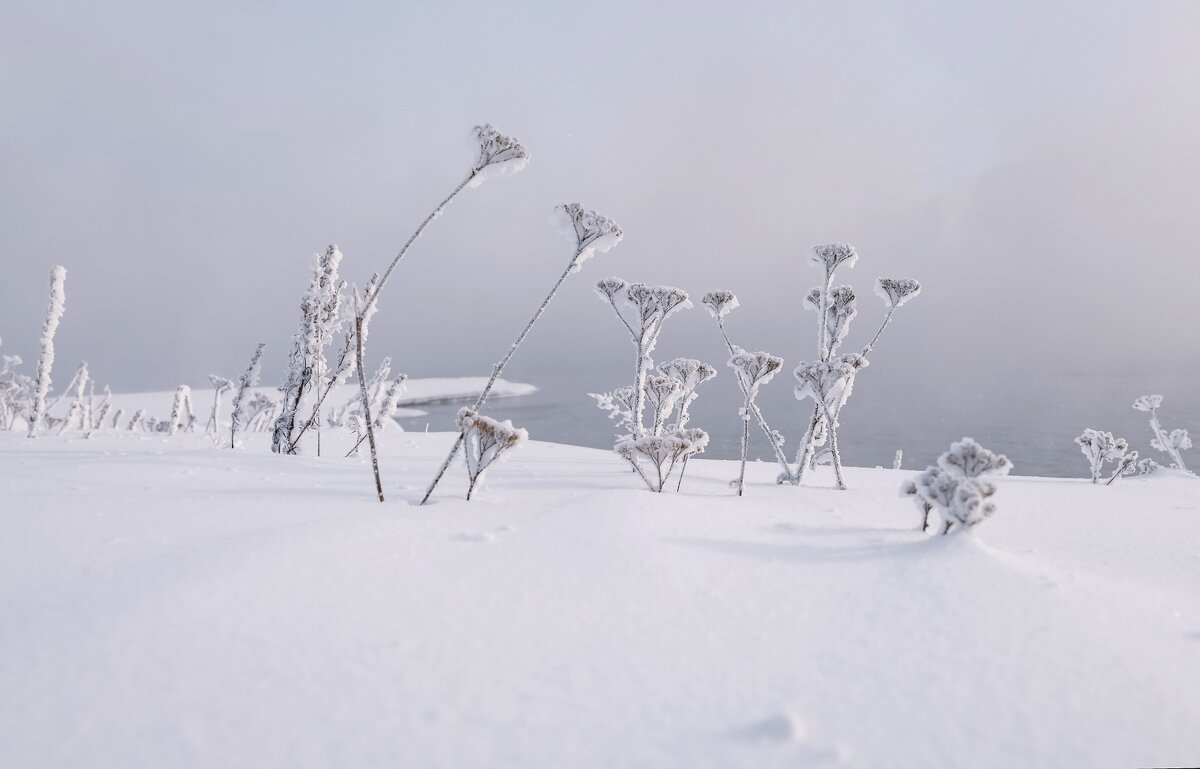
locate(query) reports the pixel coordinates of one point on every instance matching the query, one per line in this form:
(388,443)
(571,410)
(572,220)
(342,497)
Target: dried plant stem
(366,404)
(496,369)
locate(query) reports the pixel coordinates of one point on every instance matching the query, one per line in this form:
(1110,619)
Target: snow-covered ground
(164,603)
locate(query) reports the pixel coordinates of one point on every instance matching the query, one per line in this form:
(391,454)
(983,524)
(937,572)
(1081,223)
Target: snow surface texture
(166,604)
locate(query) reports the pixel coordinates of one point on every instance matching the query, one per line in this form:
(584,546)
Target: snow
(170,604)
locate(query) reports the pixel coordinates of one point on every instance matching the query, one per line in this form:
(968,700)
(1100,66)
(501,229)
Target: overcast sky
(1034,164)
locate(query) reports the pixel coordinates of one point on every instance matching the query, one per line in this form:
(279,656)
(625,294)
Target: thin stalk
(413,238)
(837,457)
(762,422)
(366,403)
(496,369)
(745,443)
(886,320)
(682,470)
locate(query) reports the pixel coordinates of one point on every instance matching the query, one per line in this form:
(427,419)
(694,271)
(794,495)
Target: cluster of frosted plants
(957,487)
(657,442)
(1172,443)
(829,379)
(1100,448)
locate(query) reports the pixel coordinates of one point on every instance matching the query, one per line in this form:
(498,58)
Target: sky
(1033,164)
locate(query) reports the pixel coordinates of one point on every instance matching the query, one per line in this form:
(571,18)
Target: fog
(1034,164)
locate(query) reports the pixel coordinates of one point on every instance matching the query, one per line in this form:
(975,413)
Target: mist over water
(1035,165)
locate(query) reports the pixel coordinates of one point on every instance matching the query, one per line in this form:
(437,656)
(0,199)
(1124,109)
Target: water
(1033,422)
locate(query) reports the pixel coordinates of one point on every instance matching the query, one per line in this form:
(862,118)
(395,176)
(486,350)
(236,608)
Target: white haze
(1033,164)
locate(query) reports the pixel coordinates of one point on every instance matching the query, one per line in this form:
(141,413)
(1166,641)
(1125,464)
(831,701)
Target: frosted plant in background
(671,388)
(841,306)
(899,459)
(361,303)
(1171,443)
(835,309)
(320,311)
(619,405)
(650,308)
(260,412)
(221,385)
(485,441)
(97,421)
(248,380)
(54,313)
(1100,448)
(828,383)
(16,392)
(719,304)
(384,396)
(958,487)
(116,420)
(181,411)
(752,369)
(590,233)
(138,420)
(77,412)
(690,373)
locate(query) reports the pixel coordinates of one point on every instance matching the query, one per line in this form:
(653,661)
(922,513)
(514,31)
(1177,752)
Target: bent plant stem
(366,403)
(886,320)
(682,470)
(496,369)
(413,238)
(762,422)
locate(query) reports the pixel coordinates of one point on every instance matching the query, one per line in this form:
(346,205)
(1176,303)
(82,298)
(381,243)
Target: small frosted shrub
(485,441)
(1172,443)
(829,383)
(667,391)
(958,486)
(220,386)
(1100,447)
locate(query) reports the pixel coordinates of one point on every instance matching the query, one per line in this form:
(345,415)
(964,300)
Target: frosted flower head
(499,155)
(967,459)
(1175,441)
(608,288)
(828,382)
(896,291)
(1148,402)
(833,255)
(670,299)
(689,371)
(720,303)
(589,231)
(755,368)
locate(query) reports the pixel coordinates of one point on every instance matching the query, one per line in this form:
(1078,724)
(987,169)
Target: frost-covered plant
(16,392)
(320,320)
(96,422)
(78,409)
(138,421)
(259,412)
(485,441)
(360,305)
(835,309)
(54,313)
(1101,447)
(650,306)
(116,420)
(958,487)
(752,369)
(221,385)
(181,411)
(671,388)
(719,304)
(662,452)
(590,233)
(1172,443)
(829,383)
(384,396)
(246,381)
